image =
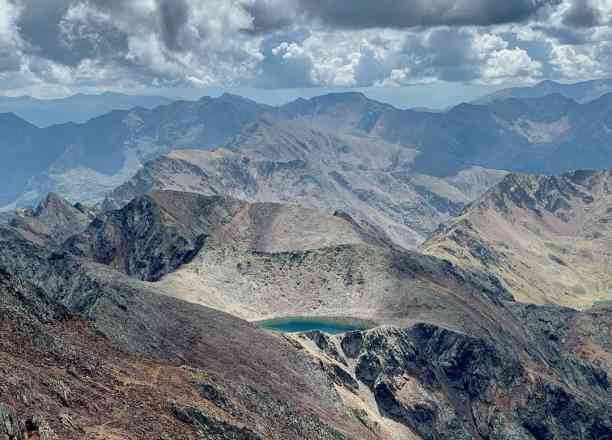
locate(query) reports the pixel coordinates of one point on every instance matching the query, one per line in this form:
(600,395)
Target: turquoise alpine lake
(305,324)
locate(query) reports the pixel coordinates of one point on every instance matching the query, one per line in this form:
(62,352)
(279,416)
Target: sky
(413,52)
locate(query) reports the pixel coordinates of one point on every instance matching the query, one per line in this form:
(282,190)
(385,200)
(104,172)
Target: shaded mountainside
(288,162)
(84,161)
(457,357)
(547,238)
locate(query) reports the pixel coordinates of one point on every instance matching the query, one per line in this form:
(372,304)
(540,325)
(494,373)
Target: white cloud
(286,43)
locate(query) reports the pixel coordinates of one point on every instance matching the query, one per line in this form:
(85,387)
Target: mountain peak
(548,83)
(233,98)
(343,97)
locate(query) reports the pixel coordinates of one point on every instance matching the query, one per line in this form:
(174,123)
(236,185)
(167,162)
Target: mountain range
(546,237)
(79,162)
(582,92)
(151,250)
(77,108)
(400,170)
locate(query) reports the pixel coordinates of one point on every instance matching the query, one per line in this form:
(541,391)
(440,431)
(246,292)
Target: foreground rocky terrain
(112,353)
(546,238)
(102,356)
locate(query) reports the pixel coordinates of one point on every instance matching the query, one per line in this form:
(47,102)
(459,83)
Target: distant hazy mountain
(580,92)
(84,161)
(76,108)
(549,135)
(547,238)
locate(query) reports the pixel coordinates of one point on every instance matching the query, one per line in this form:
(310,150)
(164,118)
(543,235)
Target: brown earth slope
(97,354)
(549,239)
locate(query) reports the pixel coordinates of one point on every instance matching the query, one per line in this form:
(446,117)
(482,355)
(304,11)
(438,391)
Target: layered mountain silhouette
(582,92)
(84,161)
(549,134)
(77,108)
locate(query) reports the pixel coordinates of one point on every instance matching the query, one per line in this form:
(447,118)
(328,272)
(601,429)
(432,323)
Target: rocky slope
(90,352)
(457,358)
(290,162)
(443,384)
(547,238)
(53,221)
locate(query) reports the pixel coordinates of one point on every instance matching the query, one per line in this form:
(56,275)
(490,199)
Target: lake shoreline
(326,324)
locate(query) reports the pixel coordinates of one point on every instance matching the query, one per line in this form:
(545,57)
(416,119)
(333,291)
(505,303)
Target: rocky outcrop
(53,221)
(154,234)
(444,384)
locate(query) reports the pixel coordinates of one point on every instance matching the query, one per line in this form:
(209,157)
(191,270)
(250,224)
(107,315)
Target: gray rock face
(11,428)
(154,234)
(443,384)
(53,221)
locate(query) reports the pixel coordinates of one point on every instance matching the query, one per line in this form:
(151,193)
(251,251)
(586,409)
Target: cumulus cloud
(299,43)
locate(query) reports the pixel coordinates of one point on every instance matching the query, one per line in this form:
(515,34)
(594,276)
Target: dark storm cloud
(567,35)
(582,14)
(415,13)
(42,27)
(271,15)
(39,27)
(174,15)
